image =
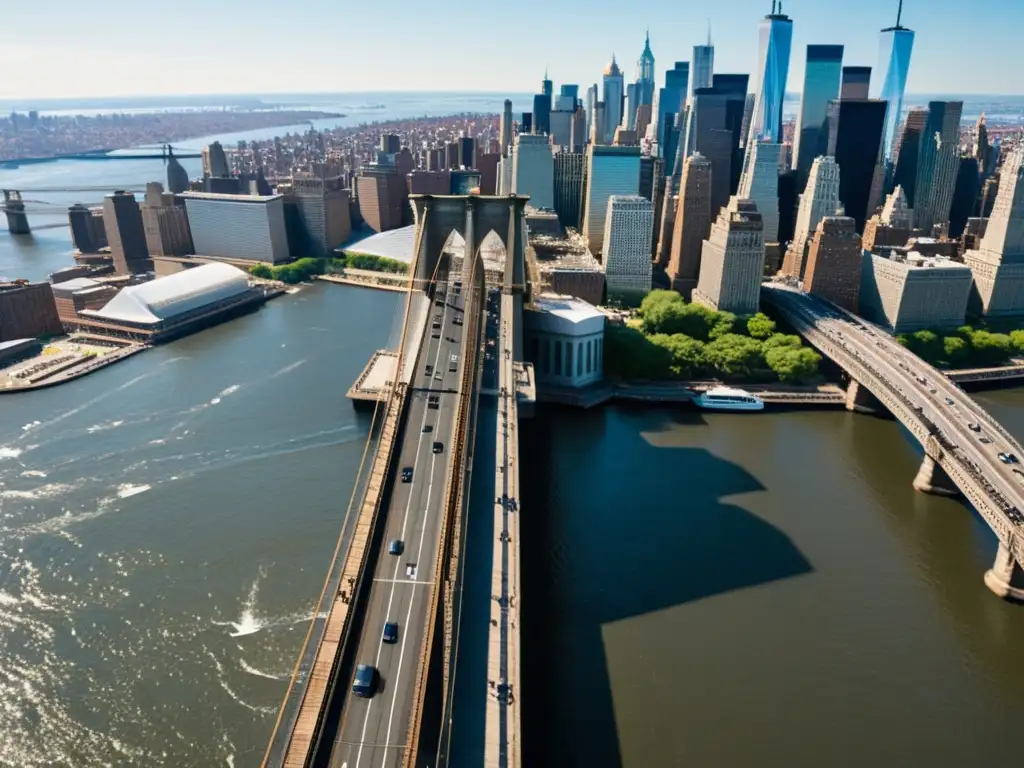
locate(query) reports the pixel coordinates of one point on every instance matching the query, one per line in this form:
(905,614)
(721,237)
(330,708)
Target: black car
(396,547)
(365,683)
(438,447)
(428,427)
(429,369)
(406,474)
(390,634)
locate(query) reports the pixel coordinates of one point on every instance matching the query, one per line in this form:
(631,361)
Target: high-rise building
(591,106)
(247,227)
(27,310)
(906,150)
(541,114)
(321,208)
(907,293)
(547,88)
(487,164)
(630,103)
(669,104)
(597,130)
(895,47)
(560,127)
(122,220)
(533,170)
(215,162)
(628,228)
(834,262)
(165,223)
(506,128)
(578,130)
(568,97)
(613,93)
(735,88)
(998,263)
(467,152)
(702,68)
(855,134)
(505,176)
(645,73)
(451,155)
(856,83)
(610,171)
(390,143)
(569,172)
(382,196)
(820,199)
(430,182)
(760,185)
(775,39)
(938,163)
(692,224)
(965,195)
(177,176)
(821,85)
(893,227)
(732,260)
(87,231)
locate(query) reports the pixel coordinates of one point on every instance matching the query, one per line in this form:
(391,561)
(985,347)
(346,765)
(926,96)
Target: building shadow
(613,527)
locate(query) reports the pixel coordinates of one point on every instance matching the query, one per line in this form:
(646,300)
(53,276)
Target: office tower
(433,162)
(430,182)
(533,170)
(526,122)
(735,89)
(821,85)
(126,234)
(669,104)
(547,88)
(760,185)
(591,106)
(820,199)
(702,69)
(647,177)
(906,150)
(165,223)
(321,215)
(908,293)
(568,97)
(998,263)
(855,135)
(390,143)
(238,226)
(789,202)
(629,222)
(382,196)
(938,163)
(691,226)
(28,310)
(856,83)
(894,49)
(578,130)
(775,39)
(541,114)
(87,231)
(965,195)
(598,127)
(645,73)
(506,128)
(610,171)
(569,168)
(893,226)
(732,260)
(625,138)
(487,164)
(505,176)
(467,152)
(177,176)
(834,262)
(215,162)
(560,127)
(451,155)
(982,149)
(613,93)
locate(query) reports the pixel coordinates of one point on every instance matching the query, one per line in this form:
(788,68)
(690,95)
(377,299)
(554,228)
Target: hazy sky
(71,48)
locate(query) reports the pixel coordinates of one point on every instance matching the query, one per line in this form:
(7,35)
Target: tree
(955,351)
(782,340)
(658,307)
(926,345)
(261,271)
(793,364)
(688,356)
(760,326)
(990,348)
(631,355)
(734,355)
(1017,339)
(722,324)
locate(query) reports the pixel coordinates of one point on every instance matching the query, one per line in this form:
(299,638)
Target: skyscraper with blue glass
(821,85)
(775,40)
(890,82)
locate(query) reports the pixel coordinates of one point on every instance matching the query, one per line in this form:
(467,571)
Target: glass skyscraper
(775,40)
(890,82)
(821,85)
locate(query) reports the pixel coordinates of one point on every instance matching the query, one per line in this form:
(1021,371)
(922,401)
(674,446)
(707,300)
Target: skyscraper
(467,152)
(775,39)
(855,135)
(938,164)
(390,143)
(856,83)
(821,85)
(610,171)
(670,102)
(834,262)
(87,230)
(628,228)
(894,49)
(760,185)
(215,162)
(177,176)
(165,223)
(506,128)
(323,214)
(645,73)
(735,88)
(820,199)
(906,150)
(591,105)
(732,260)
(541,113)
(998,263)
(691,226)
(126,234)
(533,170)
(569,172)
(382,196)
(703,67)
(965,195)
(547,88)
(613,92)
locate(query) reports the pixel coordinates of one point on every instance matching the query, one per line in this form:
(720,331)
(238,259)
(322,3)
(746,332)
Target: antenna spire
(774,6)
(899,14)
(709,33)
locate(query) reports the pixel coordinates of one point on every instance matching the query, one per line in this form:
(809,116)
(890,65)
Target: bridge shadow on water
(618,522)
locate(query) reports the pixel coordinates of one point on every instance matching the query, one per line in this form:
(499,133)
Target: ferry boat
(728,399)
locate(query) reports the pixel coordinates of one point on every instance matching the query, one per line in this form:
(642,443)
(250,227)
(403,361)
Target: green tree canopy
(990,348)
(956,351)
(760,326)
(734,355)
(688,358)
(793,364)
(1017,340)
(782,340)
(262,271)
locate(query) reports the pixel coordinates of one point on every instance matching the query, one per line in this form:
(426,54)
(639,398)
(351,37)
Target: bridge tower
(1006,577)
(17,220)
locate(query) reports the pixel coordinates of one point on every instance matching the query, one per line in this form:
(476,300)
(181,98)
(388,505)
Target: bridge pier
(1006,576)
(932,478)
(860,400)
(14,208)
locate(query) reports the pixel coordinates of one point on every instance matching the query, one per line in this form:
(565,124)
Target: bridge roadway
(373,731)
(932,407)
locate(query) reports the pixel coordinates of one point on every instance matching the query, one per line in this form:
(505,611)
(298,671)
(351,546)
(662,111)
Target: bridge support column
(932,478)
(859,399)
(1006,576)
(17,221)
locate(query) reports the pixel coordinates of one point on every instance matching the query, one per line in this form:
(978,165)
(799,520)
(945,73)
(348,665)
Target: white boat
(729,399)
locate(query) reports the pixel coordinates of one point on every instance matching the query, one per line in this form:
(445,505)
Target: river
(698,589)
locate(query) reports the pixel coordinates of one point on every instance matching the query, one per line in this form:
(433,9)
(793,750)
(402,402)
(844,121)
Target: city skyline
(77,39)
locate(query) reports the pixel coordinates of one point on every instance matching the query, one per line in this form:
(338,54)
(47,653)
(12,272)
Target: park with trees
(301,270)
(966,347)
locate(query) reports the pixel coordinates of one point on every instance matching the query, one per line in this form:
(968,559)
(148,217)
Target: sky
(69,48)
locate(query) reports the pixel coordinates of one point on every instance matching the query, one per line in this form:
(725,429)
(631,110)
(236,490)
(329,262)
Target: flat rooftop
(230,198)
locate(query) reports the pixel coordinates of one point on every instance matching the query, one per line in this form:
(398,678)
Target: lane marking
(403,581)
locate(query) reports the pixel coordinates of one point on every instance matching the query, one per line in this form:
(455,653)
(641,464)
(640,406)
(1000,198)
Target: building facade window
(558,357)
(568,359)
(579,358)
(589,350)
(545,352)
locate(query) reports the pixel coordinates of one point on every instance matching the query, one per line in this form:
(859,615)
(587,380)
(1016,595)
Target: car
(435,335)
(406,474)
(974,427)
(365,682)
(438,447)
(390,634)
(439,376)
(949,401)
(984,441)
(396,547)
(428,428)
(434,401)
(457,320)
(429,369)
(1013,459)
(1004,458)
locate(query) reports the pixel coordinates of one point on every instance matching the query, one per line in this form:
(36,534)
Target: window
(545,356)
(589,352)
(558,358)
(535,350)
(579,358)
(568,359)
